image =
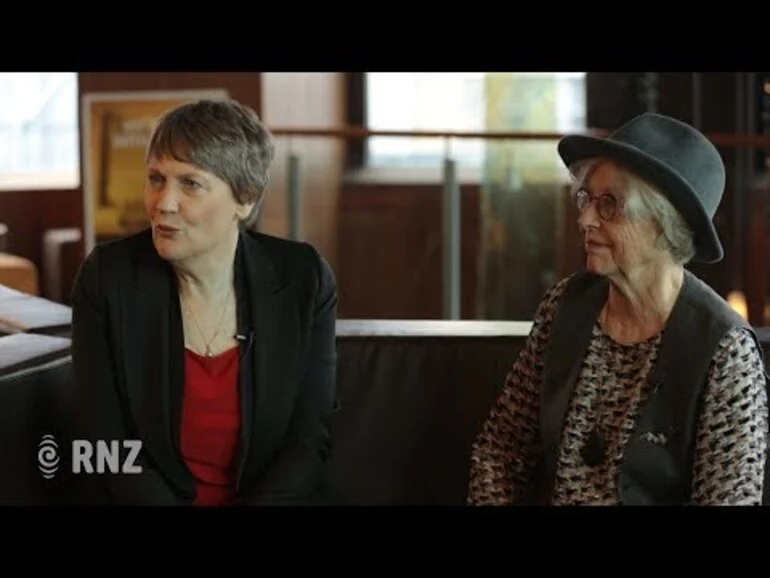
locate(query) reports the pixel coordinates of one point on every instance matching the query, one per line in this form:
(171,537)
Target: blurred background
(433,195)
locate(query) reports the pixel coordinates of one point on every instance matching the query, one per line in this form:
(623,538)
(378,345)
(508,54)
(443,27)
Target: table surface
(20,311)
(431,328)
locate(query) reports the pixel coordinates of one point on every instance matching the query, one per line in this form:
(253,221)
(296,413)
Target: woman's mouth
(593,245)
(166,230)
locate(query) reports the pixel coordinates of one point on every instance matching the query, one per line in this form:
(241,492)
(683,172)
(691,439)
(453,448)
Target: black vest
(653,472)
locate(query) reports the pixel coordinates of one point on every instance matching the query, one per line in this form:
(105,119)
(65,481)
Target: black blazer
(128,354)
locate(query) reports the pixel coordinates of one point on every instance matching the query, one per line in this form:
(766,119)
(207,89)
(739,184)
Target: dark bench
(35,401)
(412,394)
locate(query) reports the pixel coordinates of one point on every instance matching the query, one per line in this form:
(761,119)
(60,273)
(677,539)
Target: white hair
(644,200)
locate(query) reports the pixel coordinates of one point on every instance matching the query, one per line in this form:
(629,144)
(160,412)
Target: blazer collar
(255,265)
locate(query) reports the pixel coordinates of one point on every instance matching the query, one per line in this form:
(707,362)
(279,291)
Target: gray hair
(223,137)
(645,200)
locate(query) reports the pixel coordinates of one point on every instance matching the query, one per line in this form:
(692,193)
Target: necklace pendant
(594,450)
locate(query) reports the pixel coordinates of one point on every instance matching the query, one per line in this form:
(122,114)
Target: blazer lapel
(153,364)
(271,365)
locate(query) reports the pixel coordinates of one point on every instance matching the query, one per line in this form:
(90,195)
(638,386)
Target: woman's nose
(167,200)
(588,217)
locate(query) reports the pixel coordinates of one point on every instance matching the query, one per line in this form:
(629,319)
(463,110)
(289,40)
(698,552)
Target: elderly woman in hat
(638,384)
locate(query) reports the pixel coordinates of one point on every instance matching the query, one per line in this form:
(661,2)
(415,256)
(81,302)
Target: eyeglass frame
(582,193)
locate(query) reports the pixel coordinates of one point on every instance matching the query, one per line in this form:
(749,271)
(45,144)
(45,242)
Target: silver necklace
(208,351)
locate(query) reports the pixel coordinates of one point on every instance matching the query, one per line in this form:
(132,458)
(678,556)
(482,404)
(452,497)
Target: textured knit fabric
(731,436)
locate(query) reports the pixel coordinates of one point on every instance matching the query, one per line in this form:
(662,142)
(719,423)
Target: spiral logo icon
(48,456)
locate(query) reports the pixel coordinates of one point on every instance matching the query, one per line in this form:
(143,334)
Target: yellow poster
(116,130)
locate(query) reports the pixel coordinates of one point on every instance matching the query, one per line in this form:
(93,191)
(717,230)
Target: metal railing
(451,189)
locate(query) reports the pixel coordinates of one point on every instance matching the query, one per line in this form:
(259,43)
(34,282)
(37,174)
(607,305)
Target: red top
(211,424)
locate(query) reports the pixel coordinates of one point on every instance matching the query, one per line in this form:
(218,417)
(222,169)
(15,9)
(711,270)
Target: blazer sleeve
(300,474)
(98,412)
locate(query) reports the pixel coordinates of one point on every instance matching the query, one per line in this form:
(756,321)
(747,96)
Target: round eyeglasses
(606,205)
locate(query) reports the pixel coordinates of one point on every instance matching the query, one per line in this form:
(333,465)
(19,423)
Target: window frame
(357,158)
(52,178)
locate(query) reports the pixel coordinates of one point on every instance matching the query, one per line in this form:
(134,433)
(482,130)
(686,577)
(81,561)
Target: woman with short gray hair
(211,343)
(638,384)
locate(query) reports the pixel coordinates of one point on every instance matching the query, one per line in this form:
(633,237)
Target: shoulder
(550,303)
(738,351)
(709,305)
(120,252)
(555,292)
(572,285)
(293,262)
(111,261)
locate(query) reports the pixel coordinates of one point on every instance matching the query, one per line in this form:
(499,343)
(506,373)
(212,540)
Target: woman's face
(191,211)
(614,244)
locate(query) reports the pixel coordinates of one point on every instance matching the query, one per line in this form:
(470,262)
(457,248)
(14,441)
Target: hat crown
(682,149)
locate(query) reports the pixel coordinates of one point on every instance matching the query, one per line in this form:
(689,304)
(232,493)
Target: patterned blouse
(731,437)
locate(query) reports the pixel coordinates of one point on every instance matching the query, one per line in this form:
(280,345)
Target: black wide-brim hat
(673,156)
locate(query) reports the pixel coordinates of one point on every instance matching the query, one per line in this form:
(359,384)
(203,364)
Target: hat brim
(708,248)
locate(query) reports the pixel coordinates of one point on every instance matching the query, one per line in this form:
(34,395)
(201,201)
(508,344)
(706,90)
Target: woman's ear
(244,211)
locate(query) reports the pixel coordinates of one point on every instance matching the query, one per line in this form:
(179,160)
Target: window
(39,136)
(454,101)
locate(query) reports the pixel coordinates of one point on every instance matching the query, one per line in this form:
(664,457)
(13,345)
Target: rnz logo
(48,456)
(115,457)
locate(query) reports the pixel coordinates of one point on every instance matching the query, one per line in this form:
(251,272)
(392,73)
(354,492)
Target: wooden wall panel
(310,100)
(391,255)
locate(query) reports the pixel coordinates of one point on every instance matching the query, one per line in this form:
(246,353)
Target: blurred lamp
(737,300)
